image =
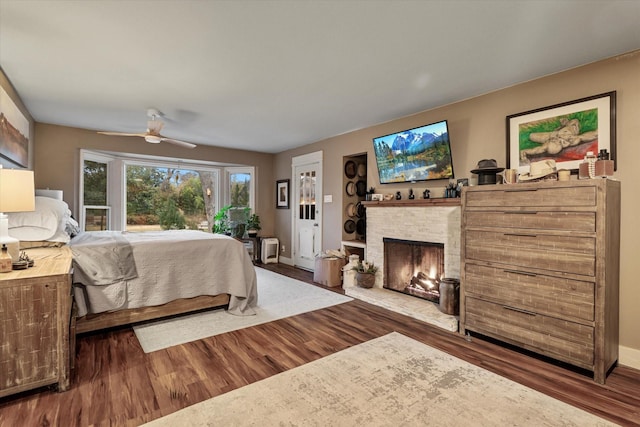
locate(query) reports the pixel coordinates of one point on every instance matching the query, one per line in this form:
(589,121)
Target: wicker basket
(365,280)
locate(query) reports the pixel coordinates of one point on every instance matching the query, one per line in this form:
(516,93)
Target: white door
(307,209)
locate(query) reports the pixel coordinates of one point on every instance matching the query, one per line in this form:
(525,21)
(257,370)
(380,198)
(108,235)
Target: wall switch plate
(328,198)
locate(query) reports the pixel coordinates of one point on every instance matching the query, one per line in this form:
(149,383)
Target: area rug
(278,297)
(389,381)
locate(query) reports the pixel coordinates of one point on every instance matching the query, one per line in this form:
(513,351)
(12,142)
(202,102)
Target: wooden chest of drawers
(540,269)
(35,314)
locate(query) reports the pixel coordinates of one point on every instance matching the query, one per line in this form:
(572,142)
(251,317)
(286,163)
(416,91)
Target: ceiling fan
(153,136)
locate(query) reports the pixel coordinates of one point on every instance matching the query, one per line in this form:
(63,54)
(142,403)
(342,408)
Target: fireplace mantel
(413,203)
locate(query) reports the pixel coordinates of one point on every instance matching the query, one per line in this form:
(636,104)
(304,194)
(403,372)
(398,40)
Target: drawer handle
(520,235)
(519,310)
(519,190)
(523,273)
(521,213)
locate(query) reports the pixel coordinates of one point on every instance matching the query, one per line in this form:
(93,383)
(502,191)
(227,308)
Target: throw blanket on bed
(169,264)
(102,258)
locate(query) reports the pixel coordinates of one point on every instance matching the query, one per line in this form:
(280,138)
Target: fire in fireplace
(413,267)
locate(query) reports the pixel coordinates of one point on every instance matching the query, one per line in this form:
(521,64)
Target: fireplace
(430,220)
(413,267)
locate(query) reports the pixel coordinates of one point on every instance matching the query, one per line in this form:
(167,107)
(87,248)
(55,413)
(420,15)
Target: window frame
(164,164)
(117,188)
(250,170)
(92,156)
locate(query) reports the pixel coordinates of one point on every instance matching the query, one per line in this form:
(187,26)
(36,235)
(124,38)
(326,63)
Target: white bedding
(169,265)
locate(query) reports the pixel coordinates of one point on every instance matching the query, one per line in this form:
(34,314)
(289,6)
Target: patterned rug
(390,381)
(278,297)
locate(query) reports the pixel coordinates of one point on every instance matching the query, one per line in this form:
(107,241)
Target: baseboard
(285,260)
(629,357)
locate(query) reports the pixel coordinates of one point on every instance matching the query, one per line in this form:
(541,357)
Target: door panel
(307,229)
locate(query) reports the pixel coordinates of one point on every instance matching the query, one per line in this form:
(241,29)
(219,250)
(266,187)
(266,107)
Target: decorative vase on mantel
(365,280)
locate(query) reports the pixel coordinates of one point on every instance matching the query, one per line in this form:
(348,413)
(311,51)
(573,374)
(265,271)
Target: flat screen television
(418,154)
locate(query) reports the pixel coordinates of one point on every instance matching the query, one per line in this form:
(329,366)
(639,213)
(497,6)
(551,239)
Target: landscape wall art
(14,131)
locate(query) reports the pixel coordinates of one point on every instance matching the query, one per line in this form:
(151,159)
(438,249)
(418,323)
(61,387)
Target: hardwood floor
(116,384)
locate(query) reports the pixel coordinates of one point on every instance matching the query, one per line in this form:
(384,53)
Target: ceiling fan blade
(152,135)
(178,142)
(122,134)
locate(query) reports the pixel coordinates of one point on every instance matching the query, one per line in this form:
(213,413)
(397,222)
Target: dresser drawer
(562,340)
(531,196)
(568,221)
(552,296)
(543,251)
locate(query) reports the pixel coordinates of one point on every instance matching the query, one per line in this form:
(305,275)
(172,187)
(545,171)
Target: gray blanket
(102,258)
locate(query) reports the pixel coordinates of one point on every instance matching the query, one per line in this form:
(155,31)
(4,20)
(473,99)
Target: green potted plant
(221,221)
(238,221)
(253,225)
(365,274)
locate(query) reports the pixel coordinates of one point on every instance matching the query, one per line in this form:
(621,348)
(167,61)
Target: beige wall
(57,154)
(477,131)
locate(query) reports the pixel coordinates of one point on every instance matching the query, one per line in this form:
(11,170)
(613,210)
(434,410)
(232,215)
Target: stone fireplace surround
(428,220)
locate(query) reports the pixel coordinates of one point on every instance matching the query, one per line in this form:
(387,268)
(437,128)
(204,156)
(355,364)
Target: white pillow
(60,236)
(44,223)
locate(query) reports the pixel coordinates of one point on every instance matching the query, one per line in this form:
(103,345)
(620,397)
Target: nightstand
(35,319)
(252,244)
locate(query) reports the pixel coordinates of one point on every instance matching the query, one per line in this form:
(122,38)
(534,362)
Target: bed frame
(110,319)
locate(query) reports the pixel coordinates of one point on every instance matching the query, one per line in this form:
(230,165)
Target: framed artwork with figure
(282,194)
(563,133)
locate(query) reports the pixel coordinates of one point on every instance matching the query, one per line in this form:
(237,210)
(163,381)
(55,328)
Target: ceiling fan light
(153,139)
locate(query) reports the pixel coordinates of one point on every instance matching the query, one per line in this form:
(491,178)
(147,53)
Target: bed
(121,278)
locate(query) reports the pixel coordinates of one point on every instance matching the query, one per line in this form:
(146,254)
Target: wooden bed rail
(95,322)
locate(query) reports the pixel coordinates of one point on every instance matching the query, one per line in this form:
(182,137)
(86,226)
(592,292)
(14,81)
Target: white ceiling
(272,75)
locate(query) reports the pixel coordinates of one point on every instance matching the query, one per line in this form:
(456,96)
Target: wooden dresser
(540,268)
(35,315)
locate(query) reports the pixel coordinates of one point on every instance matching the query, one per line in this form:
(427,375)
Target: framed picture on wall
(282,194)
(14,131)
(562,132)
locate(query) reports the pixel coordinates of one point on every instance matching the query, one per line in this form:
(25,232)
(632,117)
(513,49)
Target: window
(307,199)
(163,198)
(137,193)
(96,214)
(240,187)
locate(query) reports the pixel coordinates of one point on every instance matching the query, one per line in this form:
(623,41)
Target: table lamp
(17,194)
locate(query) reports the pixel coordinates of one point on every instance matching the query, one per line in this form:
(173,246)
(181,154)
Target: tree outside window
(95,183)
(96,212)
(163,198)
(138,194)
(240,184)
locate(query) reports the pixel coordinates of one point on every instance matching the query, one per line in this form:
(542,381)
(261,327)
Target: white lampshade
(17,192)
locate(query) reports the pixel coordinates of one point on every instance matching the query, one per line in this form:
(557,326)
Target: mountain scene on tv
(414,155)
